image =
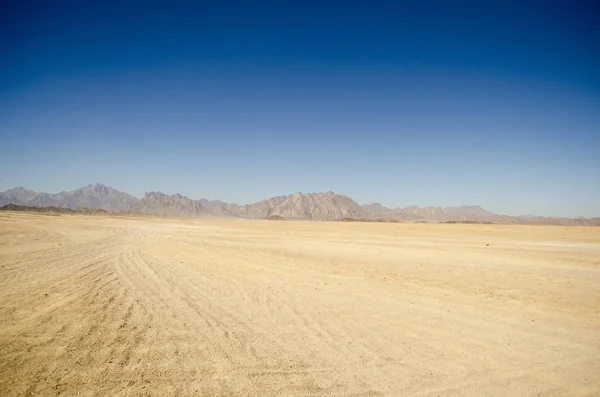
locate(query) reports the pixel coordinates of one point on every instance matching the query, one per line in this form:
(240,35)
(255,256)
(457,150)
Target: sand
(117,306)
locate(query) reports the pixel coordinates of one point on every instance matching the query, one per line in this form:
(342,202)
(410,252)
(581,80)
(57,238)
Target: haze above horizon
(435,104)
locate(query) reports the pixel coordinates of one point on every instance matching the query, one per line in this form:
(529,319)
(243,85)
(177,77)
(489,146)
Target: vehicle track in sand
(145,306)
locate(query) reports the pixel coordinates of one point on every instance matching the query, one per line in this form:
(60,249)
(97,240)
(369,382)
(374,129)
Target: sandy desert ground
(108,306)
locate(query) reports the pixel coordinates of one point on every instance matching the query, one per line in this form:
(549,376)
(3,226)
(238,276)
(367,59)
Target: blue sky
(424,103)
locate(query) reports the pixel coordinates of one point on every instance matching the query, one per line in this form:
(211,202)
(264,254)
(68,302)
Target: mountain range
(95,196)
(311,206)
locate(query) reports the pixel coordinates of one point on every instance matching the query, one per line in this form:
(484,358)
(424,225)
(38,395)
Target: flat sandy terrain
(113,306)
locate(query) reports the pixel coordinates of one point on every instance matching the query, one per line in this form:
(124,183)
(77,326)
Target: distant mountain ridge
(313,206)
(95,196)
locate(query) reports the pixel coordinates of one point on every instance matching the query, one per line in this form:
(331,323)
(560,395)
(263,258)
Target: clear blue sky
(426,103)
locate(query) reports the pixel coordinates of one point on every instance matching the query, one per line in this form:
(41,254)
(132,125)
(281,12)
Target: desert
(100,305)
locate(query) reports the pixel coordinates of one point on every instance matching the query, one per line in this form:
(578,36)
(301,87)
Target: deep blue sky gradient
(426,103)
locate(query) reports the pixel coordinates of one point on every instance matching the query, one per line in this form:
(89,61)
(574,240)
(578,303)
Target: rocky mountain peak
(97,188)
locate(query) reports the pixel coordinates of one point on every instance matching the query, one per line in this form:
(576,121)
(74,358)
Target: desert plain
(134,306)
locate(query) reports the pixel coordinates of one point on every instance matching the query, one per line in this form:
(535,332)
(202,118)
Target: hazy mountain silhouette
(95,196)
(313,206)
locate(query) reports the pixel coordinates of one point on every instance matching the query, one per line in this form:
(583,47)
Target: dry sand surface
(107,306)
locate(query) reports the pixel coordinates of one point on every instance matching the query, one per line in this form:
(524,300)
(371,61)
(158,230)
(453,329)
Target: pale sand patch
(569,245)
(132,306)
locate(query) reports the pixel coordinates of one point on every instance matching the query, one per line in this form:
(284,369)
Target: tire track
(103,306)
